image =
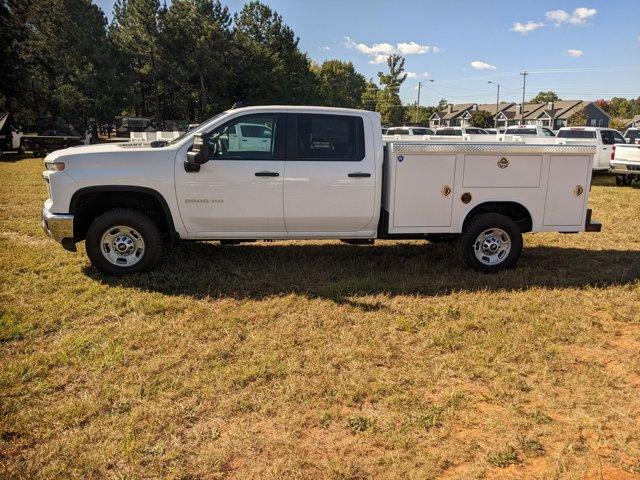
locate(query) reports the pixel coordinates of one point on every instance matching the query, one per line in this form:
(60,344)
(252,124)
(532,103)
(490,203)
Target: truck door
(603,156)
(330,175)
(240,188)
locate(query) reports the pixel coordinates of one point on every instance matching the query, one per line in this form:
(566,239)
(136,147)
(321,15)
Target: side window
(252,137)
(607,137)
(329,137)
(617,138)
(547,133)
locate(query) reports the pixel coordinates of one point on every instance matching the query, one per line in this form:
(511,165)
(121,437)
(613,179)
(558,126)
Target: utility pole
(418,102)
(524,87)
(495,121)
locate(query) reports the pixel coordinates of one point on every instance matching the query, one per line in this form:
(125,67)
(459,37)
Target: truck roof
(587,129)
(301,108)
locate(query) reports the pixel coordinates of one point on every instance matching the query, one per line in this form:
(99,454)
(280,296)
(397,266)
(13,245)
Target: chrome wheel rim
(122,246)
(492,246)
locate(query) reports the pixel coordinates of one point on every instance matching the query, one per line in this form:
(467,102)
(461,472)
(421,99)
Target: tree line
(188,61)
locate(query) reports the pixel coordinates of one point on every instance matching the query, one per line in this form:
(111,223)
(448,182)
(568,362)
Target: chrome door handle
(359,175)
(267,174)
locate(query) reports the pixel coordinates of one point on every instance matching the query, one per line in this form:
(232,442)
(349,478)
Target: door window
(329,137)
(548,133)
(617,138)
(252,137)
(607,137)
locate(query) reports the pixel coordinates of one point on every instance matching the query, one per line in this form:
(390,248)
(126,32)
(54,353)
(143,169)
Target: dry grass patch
(318,359)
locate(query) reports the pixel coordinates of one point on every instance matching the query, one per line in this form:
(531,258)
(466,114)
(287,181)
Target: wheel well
(515,211)
(89,203)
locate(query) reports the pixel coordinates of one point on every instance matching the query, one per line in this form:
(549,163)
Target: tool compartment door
(423,190)
(567,190)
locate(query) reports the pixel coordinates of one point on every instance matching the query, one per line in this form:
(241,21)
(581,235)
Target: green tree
(578,119)
(545,97)
(482,119)
(59,52)
(269,66)
(369,99)
(617,124)
(339,85)
(389,103)
(136,30)
(196,57)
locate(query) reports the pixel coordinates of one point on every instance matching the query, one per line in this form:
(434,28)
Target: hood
(101,149)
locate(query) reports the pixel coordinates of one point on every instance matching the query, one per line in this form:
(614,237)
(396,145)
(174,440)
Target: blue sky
(580,49)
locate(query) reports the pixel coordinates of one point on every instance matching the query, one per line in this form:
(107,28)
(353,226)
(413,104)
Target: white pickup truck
(326,174)
(625,163)
(602,138)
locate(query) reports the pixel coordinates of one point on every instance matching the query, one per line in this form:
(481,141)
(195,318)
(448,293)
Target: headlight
(54,166)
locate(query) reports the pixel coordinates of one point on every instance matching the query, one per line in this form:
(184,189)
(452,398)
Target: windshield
(190,131)
(449,131)
(521,131)
(422,131)
(576,134)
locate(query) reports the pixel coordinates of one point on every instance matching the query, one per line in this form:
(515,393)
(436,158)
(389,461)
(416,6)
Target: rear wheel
(491,242)
(123,241)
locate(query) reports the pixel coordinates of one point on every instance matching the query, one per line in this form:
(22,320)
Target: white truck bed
(427,181)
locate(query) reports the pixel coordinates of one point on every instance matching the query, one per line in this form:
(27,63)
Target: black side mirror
(198,154)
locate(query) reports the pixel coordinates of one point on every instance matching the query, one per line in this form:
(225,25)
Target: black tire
(138,221)
(619,180)
(483,224)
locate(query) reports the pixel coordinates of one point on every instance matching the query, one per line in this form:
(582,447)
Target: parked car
(409,131)
(326,174)
(625,163)
(459,131)
(529,131)
(632,135)
(602,138)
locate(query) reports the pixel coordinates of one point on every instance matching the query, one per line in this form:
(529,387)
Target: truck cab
(278,172)
(603,138)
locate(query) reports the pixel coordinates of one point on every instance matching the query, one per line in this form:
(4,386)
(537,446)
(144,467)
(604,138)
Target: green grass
(318,359)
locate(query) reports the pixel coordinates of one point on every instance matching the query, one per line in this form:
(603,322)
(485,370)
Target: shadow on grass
(336,271)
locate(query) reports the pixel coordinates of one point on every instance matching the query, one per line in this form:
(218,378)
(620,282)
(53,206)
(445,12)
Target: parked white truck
(625,163)
(602,138)
(326,175)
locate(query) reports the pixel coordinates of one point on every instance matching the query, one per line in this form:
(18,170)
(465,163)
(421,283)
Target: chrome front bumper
(59,227)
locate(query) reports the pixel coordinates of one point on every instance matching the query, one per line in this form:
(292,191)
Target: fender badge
(400,158)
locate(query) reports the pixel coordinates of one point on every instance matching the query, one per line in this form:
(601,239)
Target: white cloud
(575,53)
(326,49)
(416,74)
(412,48)
(580,16)
(380,51)
(525,28)
(478,65)
(638,38)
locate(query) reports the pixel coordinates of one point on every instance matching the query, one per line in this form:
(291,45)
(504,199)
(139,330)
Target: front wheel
(491,242)
(123,241)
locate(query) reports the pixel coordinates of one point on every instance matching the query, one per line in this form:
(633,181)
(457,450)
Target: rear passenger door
(330,175)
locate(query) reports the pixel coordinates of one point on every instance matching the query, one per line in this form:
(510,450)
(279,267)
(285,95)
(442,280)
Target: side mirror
(198,154)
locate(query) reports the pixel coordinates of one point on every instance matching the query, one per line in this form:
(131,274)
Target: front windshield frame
(180,138)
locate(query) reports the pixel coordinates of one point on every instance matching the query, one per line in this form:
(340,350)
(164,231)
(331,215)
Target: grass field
(320,360)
